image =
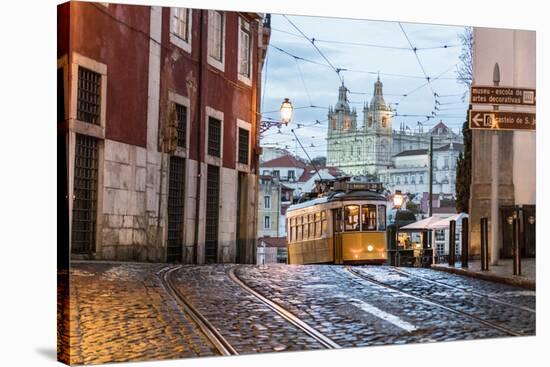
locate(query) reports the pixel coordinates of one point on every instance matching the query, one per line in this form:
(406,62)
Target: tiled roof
(306,175)
(273,241)
(440,126)
(444,210)
(456,146)
(309,171)
(412,152)
(284,161)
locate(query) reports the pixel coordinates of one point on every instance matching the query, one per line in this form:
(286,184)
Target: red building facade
(158,116)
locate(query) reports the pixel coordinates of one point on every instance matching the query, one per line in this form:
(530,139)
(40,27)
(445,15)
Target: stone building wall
(130,203)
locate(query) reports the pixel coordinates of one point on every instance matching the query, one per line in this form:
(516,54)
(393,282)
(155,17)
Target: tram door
(337,235)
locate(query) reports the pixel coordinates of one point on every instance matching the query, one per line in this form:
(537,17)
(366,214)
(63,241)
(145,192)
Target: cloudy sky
(365,48)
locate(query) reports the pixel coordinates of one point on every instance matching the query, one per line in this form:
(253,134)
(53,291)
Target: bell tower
(377,119)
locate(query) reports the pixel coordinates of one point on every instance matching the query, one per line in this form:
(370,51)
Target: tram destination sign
(500,120)
(502,96)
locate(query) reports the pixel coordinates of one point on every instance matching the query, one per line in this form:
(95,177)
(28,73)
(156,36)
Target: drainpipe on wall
(200,98)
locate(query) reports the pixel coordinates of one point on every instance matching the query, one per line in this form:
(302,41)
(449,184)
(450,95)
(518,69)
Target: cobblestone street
(121,312)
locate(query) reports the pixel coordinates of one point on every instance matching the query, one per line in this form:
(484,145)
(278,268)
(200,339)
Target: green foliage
(404,215)
(412,207)
(464,172)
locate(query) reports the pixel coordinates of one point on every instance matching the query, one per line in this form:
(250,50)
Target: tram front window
(351,218)
(368,217)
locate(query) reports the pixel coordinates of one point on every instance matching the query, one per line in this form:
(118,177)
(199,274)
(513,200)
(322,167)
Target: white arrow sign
(477,119)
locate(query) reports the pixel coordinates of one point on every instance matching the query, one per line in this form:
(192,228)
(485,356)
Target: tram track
(477,294)
(490,324)
(285,313)
(209,331)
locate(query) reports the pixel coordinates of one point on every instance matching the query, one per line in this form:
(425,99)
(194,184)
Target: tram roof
(308,203)
(357,195)
(340,196)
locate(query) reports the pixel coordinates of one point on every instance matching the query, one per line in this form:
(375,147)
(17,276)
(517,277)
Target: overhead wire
(444,46)
(338,70)
(312,41)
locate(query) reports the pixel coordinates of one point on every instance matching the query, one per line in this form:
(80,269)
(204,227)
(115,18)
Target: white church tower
(377,120)
(342,126)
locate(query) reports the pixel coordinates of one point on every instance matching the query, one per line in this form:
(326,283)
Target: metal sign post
(484,243)
(516,244)
(452,242)
(464,251)
(495,171)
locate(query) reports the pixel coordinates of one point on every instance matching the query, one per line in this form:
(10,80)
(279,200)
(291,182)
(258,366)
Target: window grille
(181,125)
(85,194)
(88,107)
(212,214)
(214,137)
(243,146)
(176,209)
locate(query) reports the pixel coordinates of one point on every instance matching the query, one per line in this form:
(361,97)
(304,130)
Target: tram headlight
(370,248)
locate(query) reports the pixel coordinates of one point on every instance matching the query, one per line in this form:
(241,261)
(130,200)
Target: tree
(464,172)
(319,161)
(404,215)
(464,69)
(413,207)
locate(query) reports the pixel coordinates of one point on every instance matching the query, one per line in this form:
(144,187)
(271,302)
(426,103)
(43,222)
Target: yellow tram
(347,225)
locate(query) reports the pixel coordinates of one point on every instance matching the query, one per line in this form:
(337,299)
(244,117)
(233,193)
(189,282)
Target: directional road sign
(502,96)
(501,120)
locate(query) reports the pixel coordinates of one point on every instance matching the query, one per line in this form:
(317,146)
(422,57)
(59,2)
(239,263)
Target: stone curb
(515,281)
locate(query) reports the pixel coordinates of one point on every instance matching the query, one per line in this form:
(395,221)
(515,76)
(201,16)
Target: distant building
(272,250)
(441,203)
(369,148)
(409,170)
(296,174)
(158,114)
(270,153)
(273,199)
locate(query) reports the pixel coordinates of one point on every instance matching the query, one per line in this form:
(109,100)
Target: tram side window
(381,217)
(290,229)
(311,226)
(306,227)
(298,228)
(338,225)
(318,225)
(351,218)
(368,214)
(324,223)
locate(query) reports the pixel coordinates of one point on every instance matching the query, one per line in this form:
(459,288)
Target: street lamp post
(286,115)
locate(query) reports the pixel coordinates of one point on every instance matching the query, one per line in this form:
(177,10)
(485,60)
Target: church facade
(368,148)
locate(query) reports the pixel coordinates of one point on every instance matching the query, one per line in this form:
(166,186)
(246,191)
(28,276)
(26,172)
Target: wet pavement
(122,312)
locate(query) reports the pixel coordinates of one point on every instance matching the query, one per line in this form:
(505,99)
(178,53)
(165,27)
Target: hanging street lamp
(286,115)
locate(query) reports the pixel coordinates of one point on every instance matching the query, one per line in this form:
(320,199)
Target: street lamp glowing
(286,111)
(398,199)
